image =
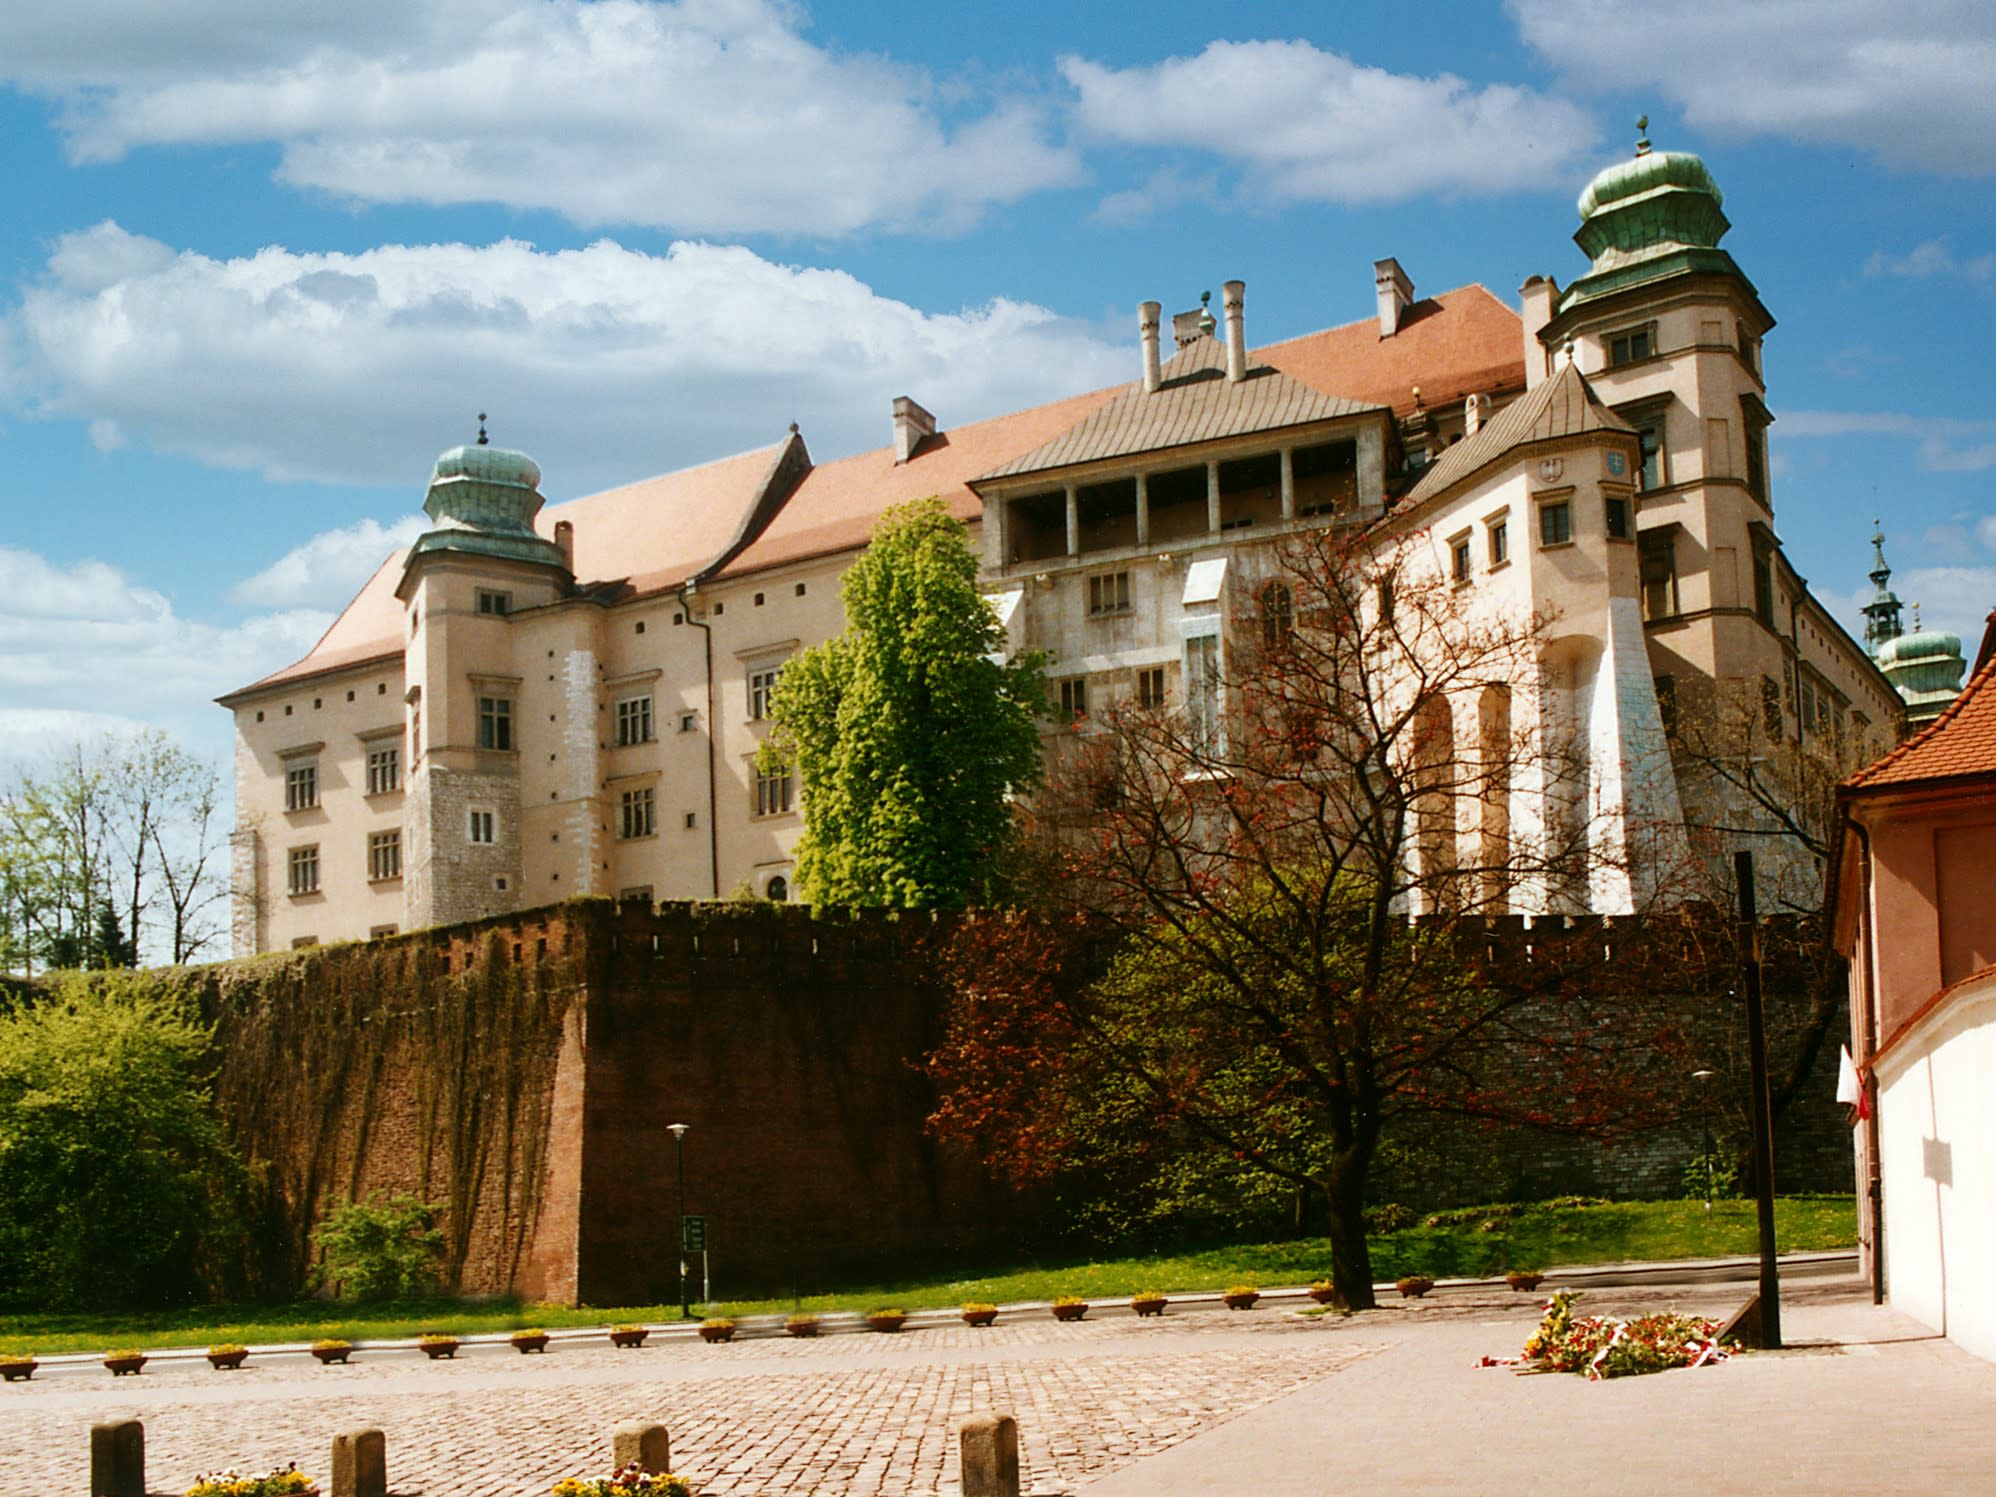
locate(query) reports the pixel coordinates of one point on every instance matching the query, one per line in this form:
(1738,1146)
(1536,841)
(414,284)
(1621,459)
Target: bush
(116,1180)
(1390,1216)
(1723,1181)
(381,1249)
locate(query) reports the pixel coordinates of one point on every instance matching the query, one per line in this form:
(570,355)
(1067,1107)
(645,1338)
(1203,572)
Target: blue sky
(260,263)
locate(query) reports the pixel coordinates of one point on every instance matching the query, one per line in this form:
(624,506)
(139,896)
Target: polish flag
(1850,1089)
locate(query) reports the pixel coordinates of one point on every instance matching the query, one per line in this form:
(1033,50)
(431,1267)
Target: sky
(260,263)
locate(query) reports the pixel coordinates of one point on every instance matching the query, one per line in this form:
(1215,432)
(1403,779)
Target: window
(379,932)
(1278,615)
(481,827)
(761,687)
(772,792)
(634,721)
(1202,693)
(495,724)
(634,814)
(1770,706)
(777,890)
(688,721)
(1649,438)
(1150,687)
(1108,593)
(384,770)
(640,894)
(1459,563)
(494,602)
(1555,524)
(1627,348)
(1658,565)
(1763,587)
(384,855)
(301,787)
(1074,697)
(1755,430)
(1500,542)
(305,869)
(1618,518)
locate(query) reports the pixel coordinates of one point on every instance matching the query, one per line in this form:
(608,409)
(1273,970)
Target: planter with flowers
(1324,1292)
(886,1320)
(1070,1307)
(632,1481)
(801,1325)
(1148,1303)
(125,1363)
(628,1335)
(527,1341)
(438,1346)
(17,1369)
(1242,1297)
(719,1329)
(978,1314)
(228,1356)
(1414,1285)
(289,1481)
(331,1352)
(1524,1280)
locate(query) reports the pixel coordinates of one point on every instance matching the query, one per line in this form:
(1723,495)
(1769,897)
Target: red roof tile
(1961,741)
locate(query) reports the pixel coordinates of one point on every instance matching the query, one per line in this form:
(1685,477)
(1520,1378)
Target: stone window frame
(1561,505)
(1073,693)
(1497,539)
(301,785)
(1153,687)
(302,870)
(1109,594)
(1628,336)
(772,792)
(494,602)
(382,759)
(637,812)
(1618,517)
(1462,556)
(481,819)
(384,856)
(635,720)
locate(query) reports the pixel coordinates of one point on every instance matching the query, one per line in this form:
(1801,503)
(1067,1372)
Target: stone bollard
(118,1459)
(360,1464)
(991,1456)
(646,1444)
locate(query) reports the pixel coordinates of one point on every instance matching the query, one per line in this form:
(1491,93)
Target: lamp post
(1704,1080)
(678,1132)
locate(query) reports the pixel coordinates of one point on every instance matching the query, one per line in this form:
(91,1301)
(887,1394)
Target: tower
(1881,614)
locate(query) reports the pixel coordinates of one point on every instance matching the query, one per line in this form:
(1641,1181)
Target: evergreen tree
(908,733)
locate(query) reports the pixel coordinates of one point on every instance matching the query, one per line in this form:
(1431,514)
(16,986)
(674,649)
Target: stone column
(648,1446)
(360,1464)
(1143,509)
(1073,521)
(118,1459)
(1289,483)
(990,1456)
(1213,496)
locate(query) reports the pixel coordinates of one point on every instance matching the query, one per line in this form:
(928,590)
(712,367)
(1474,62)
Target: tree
(115,1176)
(1264,929)
(909,736)
(381,1248)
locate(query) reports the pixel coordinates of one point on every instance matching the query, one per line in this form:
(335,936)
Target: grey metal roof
(1195,402)
(1564,406)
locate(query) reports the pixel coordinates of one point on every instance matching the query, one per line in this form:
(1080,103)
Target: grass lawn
(1485,1241)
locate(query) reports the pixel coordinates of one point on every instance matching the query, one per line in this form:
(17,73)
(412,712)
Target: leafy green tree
(908,733)
(115,1175)
(381,1248)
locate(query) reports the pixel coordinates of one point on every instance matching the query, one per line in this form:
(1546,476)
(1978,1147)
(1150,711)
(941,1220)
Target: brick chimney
(1396,294)
(1233,300)
(911,424)
(1148,316)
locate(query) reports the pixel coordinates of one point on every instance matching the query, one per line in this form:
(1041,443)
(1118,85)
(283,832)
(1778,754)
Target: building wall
(1937,1151)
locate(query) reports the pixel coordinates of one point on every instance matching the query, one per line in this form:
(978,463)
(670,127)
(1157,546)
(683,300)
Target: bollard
(118,1459)
(647,1445)
(991,1456)
(360,1464)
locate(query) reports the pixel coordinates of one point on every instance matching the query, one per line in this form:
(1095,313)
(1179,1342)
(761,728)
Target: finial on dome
(1916,618)
(483,440)
(1642,135)
(793,428)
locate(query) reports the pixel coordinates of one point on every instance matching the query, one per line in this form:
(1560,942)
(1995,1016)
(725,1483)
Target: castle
(535,701)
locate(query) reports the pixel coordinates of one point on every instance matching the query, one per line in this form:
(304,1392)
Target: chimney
(1474,409)
(1538,295)
(1233,298)
(1148,315)
(911,424)
(564,542)
(1396,294)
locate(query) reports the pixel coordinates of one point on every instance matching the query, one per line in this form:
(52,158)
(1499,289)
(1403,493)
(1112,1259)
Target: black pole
(1763,1121)
(679,1153)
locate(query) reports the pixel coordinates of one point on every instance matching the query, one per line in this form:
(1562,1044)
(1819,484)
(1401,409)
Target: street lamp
(1704,1080)
(678,1132)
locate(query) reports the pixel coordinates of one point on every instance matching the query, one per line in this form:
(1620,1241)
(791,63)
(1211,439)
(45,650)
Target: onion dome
(484,499)
(1654,215)
(1926,670)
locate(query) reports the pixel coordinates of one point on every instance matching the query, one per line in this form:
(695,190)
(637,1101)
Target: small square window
(349,696)
(490,601)
(689,722)
(1629,347)
(1618,519)
(379,932)
(259,717)
(800,589)
(758,600)
(719,609)
(1555,524)
(640,627)
(482,828)
(677,618)
(692,820)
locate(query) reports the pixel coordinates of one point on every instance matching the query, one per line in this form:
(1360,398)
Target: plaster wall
(1937,1152)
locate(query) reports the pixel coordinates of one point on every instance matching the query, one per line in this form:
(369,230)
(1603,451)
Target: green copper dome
(484,499)
(1655,215)
(1912,649)
(1925,669)
(1652,171)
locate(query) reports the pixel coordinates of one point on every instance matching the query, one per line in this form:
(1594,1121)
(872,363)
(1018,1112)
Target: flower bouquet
(288,1481)
(630,1481)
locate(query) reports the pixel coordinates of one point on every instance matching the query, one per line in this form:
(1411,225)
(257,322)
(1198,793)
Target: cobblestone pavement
(848,1416)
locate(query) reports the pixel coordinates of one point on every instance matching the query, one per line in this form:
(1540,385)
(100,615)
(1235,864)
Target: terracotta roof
(1564,406)
(1463,342)
(1195,402)
(1961,741)
(369,628)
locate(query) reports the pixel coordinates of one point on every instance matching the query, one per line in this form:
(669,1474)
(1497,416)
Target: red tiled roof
(1961,741)
(1463,342)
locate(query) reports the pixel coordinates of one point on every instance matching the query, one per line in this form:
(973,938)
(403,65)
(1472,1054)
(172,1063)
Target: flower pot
(717,1332)
(629,1338)
(1524,1283)
(1146,1305)
(525,1344)
(802,1328)
(439,1350)
(329,1355)
(885,1322)
(18,1372)
(226,1361)
(1069,1312)
(979,1317)
(125,1366)
(1324,1294)
(1243,1299)
(1413,1286)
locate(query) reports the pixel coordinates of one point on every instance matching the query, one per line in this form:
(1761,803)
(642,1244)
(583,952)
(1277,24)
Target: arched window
(777,889)
(1278,615)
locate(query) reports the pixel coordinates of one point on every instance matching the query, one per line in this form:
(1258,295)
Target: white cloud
(1942,444)
(1314,125)
(605,363)
(328,569)
(1907,82)
(1932,257)
(702,116)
